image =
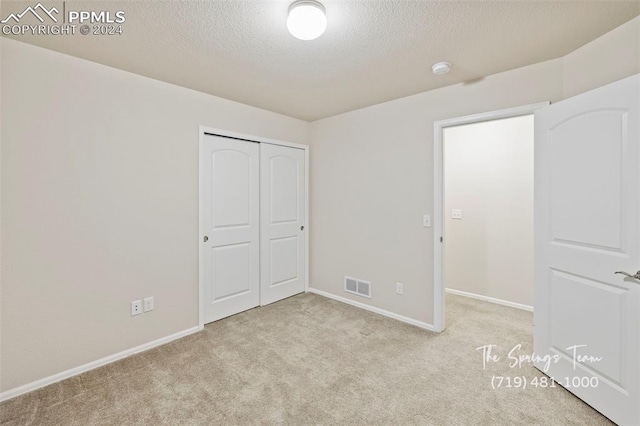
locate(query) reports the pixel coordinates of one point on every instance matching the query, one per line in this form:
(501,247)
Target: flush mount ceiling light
(441,68)
(307,19)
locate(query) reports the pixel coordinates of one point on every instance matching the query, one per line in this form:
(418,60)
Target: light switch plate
(148,304)
(456,214)
(426,220)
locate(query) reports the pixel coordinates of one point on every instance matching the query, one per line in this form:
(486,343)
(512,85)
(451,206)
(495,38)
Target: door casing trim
(438,194)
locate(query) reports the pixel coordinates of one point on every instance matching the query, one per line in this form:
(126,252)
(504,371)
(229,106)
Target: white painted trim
(438,196)
(489,299)
(307,273)
(12,393)
(370,308)
(438,215)
(249,138)
(201,310)
(491,115)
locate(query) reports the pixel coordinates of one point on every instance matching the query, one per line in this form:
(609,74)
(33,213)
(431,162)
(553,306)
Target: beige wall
(612,57)
(100,206)
(488,174)
(372,173)
(372,180)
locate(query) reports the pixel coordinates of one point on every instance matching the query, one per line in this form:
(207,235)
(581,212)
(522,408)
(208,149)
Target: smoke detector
(441,68)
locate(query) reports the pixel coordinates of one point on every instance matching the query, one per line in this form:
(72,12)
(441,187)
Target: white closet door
(230,228)
(282,198)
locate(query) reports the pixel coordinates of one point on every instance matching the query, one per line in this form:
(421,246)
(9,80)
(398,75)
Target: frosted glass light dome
(307,19)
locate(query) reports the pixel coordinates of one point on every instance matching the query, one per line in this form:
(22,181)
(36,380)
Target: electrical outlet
(399,288)
(456,214)
(136,307)
(148,304)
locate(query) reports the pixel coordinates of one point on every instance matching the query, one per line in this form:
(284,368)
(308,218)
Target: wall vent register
(356,286)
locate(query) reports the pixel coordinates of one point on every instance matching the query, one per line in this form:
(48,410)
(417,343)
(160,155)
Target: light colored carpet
(311,360)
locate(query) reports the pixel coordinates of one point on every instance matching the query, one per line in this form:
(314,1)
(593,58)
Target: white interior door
(587,190)
(282,235)
(230,226)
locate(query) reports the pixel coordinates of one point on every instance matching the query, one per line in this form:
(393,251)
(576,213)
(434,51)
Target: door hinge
(441,239)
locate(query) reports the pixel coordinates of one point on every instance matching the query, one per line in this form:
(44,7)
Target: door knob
(205,239)
(635,277)
(302,228)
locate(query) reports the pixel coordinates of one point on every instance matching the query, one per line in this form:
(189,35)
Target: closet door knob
(302,228)
(205,239)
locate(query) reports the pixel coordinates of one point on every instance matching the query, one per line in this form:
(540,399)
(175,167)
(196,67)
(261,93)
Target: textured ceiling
(372,51)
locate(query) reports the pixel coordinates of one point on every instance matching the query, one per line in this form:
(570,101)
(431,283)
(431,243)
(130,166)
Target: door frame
(438,194)
(242,137)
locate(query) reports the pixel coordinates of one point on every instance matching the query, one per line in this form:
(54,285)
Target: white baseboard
(12,393)
(490,299)
(370,308)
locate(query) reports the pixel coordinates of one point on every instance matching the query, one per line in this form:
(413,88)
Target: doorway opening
(483,213)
